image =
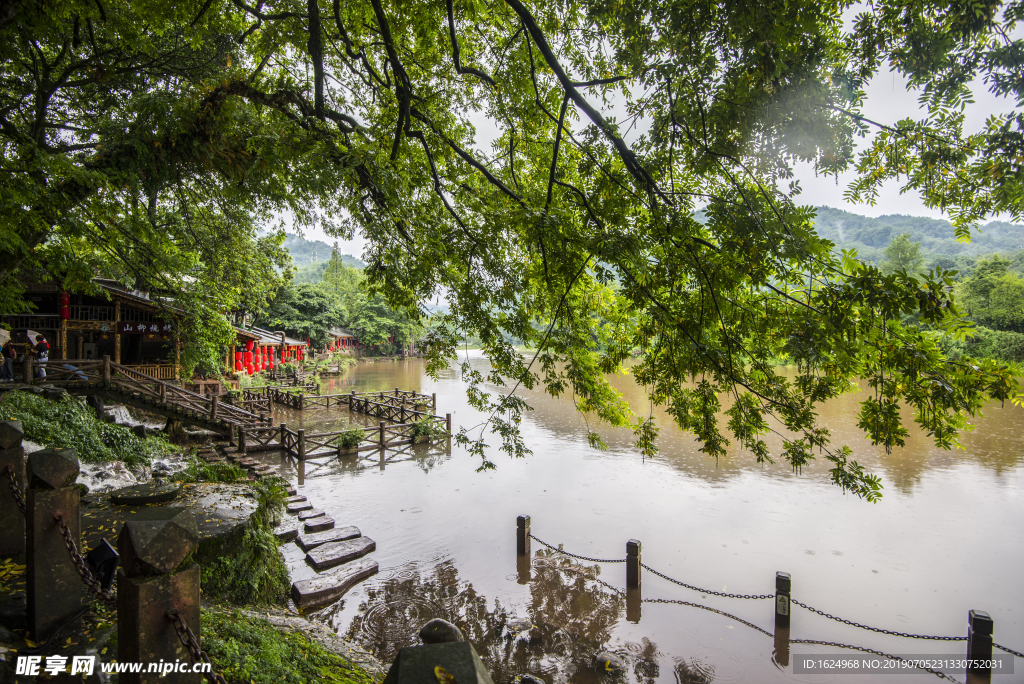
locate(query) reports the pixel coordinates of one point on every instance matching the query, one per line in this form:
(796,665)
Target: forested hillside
(309,252)
(869,236)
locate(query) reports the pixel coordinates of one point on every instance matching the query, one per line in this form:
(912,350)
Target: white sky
(888,101)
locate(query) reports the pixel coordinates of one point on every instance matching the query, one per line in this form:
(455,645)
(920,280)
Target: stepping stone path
(325,589)
(336,553)
(311,541)
(324,522)
(299,506)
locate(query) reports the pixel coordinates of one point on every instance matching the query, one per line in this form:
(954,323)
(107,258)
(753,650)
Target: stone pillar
(149,584)
(53,585)
(12,520)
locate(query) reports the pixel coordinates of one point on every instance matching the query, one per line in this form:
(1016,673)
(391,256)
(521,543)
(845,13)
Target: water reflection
(567,622)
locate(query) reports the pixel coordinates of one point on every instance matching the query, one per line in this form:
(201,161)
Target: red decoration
(248,345)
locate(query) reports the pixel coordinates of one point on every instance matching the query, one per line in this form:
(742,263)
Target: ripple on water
(398,620)
(717,663)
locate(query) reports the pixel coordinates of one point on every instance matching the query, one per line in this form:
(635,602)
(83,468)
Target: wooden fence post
(26,369)
(163,392)
(979,646)
(523,535)
(433,402)
(352,401)
(284,431)
(396,391)
(633,564)
(106,370)
(382,434)
(241,439)
(213,407)
(301,444)
(783,590)
(448,423)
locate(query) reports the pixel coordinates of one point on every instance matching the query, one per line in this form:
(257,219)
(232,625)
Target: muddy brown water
(946,537)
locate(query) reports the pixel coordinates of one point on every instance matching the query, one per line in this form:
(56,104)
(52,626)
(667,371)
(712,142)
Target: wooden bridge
(120,383)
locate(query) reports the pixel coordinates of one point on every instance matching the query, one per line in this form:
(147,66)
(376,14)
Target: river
(945,538)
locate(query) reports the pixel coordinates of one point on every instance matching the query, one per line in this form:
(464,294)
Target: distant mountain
(869,236)
(308,252)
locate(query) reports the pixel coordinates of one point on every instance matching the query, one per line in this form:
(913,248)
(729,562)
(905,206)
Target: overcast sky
(888,101)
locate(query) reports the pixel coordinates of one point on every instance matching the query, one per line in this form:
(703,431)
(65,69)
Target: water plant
(351,438)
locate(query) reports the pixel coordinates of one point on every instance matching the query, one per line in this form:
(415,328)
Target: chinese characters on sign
(151,328)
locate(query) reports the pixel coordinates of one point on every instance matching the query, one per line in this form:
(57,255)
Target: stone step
(325,589)
(286,531)
(311,541)
(213,459)
(290,489)
(263,468)
(324,522)
(293,498)
(311,513)
(248,462)
(335,553)
(299,506)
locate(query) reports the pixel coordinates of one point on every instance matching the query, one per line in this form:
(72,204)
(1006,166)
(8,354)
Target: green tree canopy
(902,255)
(304,312)
(126,125)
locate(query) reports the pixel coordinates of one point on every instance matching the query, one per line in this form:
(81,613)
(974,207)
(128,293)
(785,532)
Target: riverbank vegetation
(69,423)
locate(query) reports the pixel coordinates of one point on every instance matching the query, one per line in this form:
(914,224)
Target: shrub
(70,424)
(198,471)
(426,428)
(350,438)
(986,344)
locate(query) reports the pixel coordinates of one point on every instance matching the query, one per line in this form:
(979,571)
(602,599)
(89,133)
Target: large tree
(365,110)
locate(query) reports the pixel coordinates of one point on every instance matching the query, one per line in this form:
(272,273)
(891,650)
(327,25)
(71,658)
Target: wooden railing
(104,374)
(161,371)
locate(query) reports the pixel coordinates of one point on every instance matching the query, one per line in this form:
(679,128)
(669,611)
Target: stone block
(146,493)
(324,522)
(325,589)
(417,664)
(157,546)
(53,586)
(311,541)
(311,513)
(52,468)
(12,521)
(299,506)
(11,434)
(336,553)
(439,631)
(145,634)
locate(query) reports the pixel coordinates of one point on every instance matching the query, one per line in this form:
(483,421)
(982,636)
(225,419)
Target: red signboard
(151,328)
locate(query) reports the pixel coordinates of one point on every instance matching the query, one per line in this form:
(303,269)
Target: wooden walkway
(119,383)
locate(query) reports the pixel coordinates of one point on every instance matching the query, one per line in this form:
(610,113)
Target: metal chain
(877,629)
(189,641)
(1009,650)
(707,591)
(586,558)
(940,675)
(19,498)
(83,569)
(713,610)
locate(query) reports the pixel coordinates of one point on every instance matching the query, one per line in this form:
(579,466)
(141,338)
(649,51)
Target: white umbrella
(31,334)
(4,336)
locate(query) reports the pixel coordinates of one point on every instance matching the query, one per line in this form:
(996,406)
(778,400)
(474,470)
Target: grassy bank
(70,424)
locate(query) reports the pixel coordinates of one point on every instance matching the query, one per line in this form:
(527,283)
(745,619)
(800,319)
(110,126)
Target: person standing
(41,351)
(8,355)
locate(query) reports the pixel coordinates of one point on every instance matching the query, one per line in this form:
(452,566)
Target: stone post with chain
(150,585)
(53,585)
(12,483)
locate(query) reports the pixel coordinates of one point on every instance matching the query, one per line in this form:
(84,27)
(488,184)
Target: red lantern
(65,306)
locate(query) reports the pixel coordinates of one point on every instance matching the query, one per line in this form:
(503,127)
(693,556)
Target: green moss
(250,650)
(70,424)
(256,574)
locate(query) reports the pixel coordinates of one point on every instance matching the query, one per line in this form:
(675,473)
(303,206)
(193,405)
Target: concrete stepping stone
(325,589)
(147,493)
(335,553)
(307,542)
(290,490)
(264,468)
(311,513)
(286,532)
(299,506)
(324,522)
(249,462)
(293,498)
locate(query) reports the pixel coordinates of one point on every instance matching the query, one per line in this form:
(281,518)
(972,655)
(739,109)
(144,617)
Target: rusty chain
(878,629)
(83,570)
(706,591)
(586,558)
(189,641)
(19,498)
